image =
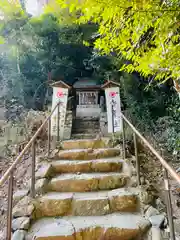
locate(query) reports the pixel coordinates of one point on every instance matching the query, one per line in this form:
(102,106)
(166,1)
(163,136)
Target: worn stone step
(85,130)
(97,165)
(87,154)
(87,204)
(84,135)
(84,144)
(87,182)
(86,126)
(85,123)
(112,226)
(76,128)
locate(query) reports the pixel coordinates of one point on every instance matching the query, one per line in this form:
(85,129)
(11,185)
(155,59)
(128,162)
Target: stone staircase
(85,128)
(84,192)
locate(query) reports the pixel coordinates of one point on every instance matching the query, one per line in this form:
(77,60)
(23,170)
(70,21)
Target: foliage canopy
(135,36)
(35,47)
(145,32)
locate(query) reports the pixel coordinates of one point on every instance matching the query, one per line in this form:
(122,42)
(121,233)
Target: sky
(32,7)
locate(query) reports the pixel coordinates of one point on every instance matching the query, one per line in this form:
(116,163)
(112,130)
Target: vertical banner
(59,95)
(113,107)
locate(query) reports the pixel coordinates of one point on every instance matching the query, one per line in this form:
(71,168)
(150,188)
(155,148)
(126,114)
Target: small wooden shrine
(87,98)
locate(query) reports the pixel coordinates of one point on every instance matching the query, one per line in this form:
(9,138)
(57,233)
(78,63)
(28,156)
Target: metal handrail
(163,162)
(9,173)
(26,148)
(166,167)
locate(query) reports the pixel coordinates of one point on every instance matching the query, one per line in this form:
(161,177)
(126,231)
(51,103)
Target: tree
(37,47)
(60,47)
(145,32)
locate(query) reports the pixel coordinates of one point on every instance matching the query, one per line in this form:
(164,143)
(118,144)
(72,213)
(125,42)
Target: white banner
(59,95)
(113,105)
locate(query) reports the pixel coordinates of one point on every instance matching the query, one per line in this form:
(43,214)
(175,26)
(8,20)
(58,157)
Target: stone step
(84,135)
(85,130)
(100,165)
(84,144)
(112,226)
(87,182)
(55,204)
(86,127)
(85,123)
(87,154)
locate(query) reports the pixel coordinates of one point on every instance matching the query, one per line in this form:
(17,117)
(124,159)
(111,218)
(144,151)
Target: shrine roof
(86,83)
(110,84)
(60,84)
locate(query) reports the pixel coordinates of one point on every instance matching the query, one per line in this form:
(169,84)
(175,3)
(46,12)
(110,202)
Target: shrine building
(87,97)
(86,109)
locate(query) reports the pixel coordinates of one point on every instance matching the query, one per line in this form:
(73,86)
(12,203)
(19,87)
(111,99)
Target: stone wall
(104,124)
(68,125)
(2,113)
(12,134)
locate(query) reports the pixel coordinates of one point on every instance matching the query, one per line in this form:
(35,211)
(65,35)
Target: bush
(155,110)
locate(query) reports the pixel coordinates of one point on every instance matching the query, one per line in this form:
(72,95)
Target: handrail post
(49,136)
(10,205)
(123,139)
(33,167)
(137,159)
(169,205)
(58,117)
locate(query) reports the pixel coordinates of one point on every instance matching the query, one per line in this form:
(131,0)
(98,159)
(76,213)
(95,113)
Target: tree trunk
(18,66)
(177,87)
